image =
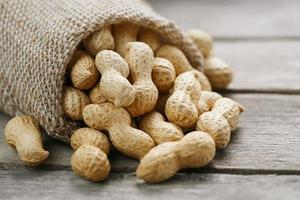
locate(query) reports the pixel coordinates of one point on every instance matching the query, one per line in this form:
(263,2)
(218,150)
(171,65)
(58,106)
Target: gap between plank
(255,38)
(260,91)
(234,171)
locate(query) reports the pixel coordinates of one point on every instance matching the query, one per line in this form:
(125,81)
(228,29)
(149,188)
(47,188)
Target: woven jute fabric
(38,38)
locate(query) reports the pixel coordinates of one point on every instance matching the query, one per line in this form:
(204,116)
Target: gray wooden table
(261,40)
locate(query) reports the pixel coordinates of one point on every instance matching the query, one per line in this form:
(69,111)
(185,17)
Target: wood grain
(261,41)
(263,66)
(266,142)
(262,47)
(65,185)
(234,18)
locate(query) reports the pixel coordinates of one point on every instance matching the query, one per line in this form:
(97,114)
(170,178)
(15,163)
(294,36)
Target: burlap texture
(38,38)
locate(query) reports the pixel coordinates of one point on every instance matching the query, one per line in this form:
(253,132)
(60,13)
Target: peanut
(23,134)
(83,72)
(91,163)
(207,101)
(202,40)
(196,149)
(230,110)
(96,95)
(217,126)
(90,157)
(218,72)
(160,131)
(99,40)
(74,101)
(123,34)
(113,84)
(203,80)
(150,37)
(163,74)
(181,106)
(92,137)
(140,58)
(116,120)
(176,57)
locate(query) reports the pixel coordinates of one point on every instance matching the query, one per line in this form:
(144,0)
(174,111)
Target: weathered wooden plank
(259,66)
(65,185)
(268,137)
(268,141)
(235,18)
(263,66)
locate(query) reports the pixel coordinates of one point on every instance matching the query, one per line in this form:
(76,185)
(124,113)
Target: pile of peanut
(148,101)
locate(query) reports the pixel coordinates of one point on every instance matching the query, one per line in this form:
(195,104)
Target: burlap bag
(38,38)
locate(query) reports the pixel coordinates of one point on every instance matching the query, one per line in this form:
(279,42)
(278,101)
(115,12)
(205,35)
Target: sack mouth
(64,132)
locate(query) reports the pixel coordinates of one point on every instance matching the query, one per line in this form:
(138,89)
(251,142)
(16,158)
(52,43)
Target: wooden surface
(270,66)
(65,185)
(261,41)
(236,19)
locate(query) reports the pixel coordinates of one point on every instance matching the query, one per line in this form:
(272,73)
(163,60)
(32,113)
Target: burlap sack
(38,38)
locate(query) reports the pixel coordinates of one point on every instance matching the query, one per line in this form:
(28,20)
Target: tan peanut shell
(90,162)
(23,134)
(83,72)
(207,101)
(113,84)
(176,57)
(124,33)
(74,101)
(116,120)
(230,110)
(150,37)
(202,40)
(163,74)
(203,80)
(160,131)
(99,40)
(90,157)
(159,164)
(218,72)
(96,95)
(140,58)
(196,149)
(217,126)
(92,137)
(181,106)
